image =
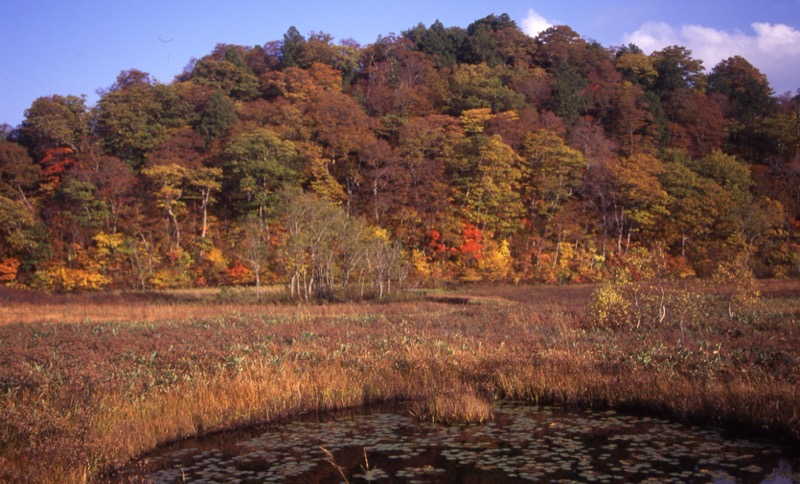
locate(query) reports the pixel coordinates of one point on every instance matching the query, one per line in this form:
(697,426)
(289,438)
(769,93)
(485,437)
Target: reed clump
(80,398)
(460,405)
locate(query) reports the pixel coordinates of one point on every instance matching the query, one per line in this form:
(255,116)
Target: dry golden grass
(452,405)
(30,307)
(86,394)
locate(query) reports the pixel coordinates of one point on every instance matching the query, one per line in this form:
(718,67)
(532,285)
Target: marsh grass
(80,398)
(452,406)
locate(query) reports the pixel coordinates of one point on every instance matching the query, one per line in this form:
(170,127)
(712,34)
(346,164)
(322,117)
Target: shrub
(643,294)
(743,296)
(609,306)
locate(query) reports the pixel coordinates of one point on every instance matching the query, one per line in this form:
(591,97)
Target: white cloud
(534,23)
(712,45)
(777,37)
(652,36)
(773,48)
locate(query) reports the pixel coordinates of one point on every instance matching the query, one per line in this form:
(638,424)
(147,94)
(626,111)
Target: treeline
(442,153)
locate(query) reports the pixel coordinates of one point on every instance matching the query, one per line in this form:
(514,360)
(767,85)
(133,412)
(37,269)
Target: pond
(523,443)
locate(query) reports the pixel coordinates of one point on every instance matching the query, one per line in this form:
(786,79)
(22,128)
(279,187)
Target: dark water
(523,444)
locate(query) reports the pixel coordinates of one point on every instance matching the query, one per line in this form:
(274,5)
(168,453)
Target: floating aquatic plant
(521,444)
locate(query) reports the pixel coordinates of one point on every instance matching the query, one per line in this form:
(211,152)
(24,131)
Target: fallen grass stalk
(332,461)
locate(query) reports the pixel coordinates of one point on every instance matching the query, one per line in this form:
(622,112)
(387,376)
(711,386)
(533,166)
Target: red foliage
(435,242)
(473,239)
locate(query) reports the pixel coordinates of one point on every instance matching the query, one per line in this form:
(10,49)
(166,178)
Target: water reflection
(524,443)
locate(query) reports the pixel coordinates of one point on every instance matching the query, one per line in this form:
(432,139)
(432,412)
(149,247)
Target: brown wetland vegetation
(88,383)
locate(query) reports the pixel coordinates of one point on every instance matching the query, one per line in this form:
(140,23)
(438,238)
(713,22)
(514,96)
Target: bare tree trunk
(204,207)
(174,220)
(683,245)
(558,251)
(25,199)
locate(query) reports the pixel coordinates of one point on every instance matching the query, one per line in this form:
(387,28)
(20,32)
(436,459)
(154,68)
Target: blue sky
(78,46)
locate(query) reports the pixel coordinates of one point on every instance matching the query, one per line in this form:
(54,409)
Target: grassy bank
(101,381)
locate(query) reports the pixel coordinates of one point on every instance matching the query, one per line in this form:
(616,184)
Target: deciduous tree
(491,193)
(134,117)
(257,164)
(55,122)
(19,176)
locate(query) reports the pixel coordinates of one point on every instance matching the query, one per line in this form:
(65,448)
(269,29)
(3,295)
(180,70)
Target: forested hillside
(474,153)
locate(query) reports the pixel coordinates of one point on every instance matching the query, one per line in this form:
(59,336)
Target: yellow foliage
(745,297)
(169,277)
(566,254)
(644,264)
(322,182)
(420,262)
(474,120)
(496,261)
(470,275)
(70,279)
(380,234)
(107,243)
(609,306)
(177,273)
(111,241)
(215,257)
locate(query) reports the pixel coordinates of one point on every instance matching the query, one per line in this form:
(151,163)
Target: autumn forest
(440,154)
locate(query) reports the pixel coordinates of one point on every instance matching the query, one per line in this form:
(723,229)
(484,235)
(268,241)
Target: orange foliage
(8,269)
(55,162)
(238,273)
(679,266)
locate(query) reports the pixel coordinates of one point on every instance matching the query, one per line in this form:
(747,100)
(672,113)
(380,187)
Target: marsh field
(88,383)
